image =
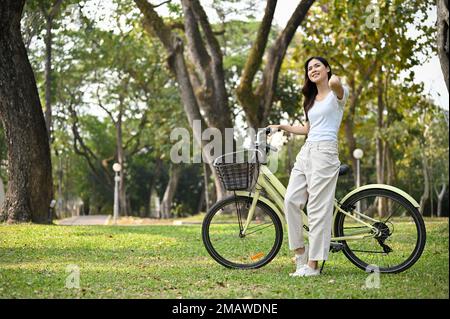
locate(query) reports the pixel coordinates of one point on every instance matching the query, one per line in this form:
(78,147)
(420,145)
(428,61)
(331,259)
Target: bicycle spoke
(368,251)
(354,227)
(239,216)
(254,247)
(253,227)
(246,234)
(392,214)
(396,238)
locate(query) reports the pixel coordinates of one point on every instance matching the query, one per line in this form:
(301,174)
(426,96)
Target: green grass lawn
(171,262)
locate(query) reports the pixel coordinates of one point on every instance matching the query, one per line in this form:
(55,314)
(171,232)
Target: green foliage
(363,46)
(103,66)
(245,10)
(101,55)
(142,177)
(190,185)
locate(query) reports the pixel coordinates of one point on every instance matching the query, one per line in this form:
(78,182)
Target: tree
(201,79)
(370,52)
(257,103)
(105,71)
(49,15)
(170,191)
(443,36)
(126,90)
(30,185)
(2,157)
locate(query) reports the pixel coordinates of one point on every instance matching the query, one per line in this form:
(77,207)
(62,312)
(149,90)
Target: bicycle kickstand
(321,268)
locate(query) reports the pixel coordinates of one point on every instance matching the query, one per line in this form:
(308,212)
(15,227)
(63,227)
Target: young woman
(315,172)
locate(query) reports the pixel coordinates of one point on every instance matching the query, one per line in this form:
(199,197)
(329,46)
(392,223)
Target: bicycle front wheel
(225,241)
(399,236)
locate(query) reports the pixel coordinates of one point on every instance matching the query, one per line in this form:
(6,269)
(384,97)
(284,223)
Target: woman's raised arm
(336,86)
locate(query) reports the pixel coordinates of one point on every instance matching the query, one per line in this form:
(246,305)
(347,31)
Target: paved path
(85,220)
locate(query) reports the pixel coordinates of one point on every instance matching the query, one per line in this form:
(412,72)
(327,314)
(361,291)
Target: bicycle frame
(276,191)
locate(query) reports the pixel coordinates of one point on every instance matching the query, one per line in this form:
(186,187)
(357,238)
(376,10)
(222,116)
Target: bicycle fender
(383,186)
(266,201)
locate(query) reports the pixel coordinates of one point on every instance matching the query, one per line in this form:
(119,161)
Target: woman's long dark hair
(309,89)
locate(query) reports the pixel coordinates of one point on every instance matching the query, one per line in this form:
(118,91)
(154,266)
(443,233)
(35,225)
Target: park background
(109,78)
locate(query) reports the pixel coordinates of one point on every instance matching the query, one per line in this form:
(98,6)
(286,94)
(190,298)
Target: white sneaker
(306,271)
(301,260)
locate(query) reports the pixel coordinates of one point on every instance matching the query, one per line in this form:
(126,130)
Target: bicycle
(245,230)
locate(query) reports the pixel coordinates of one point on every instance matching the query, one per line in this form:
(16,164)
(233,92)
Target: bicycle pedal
(335,247)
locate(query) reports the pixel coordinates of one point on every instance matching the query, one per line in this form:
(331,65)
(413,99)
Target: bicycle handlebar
(269,130)
(259,143)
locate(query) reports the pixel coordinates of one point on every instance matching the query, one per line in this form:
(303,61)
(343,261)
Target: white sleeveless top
(325,117)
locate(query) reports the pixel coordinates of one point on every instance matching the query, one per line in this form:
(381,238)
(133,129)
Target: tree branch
(162,3)
(211,40)
(156,24)
(138,149)
(220,93)
(197,50)
(153,24)
(85,151)
(257,51)
(55,8)
(99,103)
(275,58)
(357,93)
(142,123)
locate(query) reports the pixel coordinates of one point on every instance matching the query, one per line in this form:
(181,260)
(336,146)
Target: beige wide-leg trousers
(313,179)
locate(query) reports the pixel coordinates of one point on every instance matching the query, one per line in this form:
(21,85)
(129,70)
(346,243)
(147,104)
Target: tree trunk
(48,76)
(351,142)
(156,212)
(378,139)
(201,202)
(380,152)
(431,182)
(348,122)
(49,16)
(123,205)
(146,211)
(30,186)
(155,207)
(206,186)
(426,182)
(171,188)
(349,113)
(60,173)
(443,37)
(2,193)
(440,196)
(391,172)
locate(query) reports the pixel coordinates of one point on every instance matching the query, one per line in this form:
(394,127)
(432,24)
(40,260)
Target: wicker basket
(237,175)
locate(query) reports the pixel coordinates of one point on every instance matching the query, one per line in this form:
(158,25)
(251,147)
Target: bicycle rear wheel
(401,233)
(225,242)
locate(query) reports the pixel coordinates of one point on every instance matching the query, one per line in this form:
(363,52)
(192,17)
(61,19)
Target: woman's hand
(334,82)
(274,127)
(336,86)
(296,129)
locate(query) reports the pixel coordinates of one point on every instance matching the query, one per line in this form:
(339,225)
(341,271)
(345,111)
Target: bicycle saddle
(343,169)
